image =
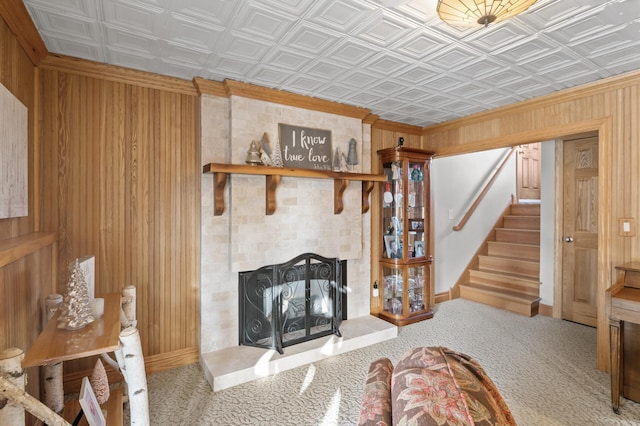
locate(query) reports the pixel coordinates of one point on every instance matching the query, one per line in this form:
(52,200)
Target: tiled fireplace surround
(245,238)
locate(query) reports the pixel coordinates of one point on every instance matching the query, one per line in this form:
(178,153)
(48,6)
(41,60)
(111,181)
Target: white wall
(547,202)
(456,181)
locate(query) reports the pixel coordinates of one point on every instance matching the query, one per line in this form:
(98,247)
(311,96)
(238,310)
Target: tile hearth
(240,364)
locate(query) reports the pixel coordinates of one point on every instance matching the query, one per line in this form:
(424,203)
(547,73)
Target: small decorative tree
(76,311)
(352,154)
(276,156)
(100,383)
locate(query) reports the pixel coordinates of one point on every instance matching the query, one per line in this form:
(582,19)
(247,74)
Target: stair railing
(484,192)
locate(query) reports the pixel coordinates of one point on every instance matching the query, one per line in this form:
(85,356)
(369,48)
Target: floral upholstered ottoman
(431,386)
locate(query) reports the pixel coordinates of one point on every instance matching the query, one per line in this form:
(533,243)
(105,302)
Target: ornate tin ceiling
(394,57)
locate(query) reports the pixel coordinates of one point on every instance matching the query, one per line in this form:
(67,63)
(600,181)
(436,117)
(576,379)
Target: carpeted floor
(545,368)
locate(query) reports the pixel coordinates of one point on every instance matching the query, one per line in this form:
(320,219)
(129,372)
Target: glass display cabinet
(406,249)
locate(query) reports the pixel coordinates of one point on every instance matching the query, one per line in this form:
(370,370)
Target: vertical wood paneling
(610,107)
(126,190)
(25,282)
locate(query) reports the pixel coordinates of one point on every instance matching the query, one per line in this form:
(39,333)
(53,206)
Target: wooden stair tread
(508,275)
(517,244)
(502,293)
(519,259)
(518,229)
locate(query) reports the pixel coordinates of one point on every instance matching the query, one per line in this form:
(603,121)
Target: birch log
(20,398)
(53,387)
(135,376)
(11,371)
(129,304)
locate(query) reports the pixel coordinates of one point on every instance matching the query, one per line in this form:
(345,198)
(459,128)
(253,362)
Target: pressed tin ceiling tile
(395,57)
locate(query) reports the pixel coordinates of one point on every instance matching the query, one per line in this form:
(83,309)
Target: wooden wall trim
(545,310)
(229,88)
(19,247)
(397,127)
(445,296)
(170,360)
(527,136)
(117,74)
(210,87)
(370,119)
(603,86)
(19,21)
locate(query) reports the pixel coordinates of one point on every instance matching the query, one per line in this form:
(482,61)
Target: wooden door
(580,231)
(528,172)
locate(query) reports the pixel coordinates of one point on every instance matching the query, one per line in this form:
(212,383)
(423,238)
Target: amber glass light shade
(471,13)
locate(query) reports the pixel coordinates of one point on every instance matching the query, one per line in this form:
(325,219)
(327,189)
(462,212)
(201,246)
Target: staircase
(506,272)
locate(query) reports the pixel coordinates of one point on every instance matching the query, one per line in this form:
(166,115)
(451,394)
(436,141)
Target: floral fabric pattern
(433,386)
(375,408)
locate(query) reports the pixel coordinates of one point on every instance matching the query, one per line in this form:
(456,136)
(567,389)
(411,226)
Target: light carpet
(545,369)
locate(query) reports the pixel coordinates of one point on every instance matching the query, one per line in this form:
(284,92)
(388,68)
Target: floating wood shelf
(18,247)
(273,175)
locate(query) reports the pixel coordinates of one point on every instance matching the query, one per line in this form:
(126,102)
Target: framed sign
(304,147)
(89,404)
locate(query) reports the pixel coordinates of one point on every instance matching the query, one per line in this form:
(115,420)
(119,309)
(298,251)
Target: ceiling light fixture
(469,13)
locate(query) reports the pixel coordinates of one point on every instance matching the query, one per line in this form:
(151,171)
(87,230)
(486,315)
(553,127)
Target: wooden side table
(55,345)
(623,305)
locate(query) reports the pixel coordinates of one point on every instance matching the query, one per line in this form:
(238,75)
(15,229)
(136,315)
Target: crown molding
(210,87)
(19,21)
(230,88)
(567,95)
(394,126)
(118,74)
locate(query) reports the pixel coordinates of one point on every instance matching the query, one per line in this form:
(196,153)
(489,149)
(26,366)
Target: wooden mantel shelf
(273,175)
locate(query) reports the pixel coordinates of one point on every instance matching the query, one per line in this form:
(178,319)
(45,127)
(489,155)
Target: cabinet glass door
(416,294)
(398,300)
(392,291)
(416,210)
(393,211)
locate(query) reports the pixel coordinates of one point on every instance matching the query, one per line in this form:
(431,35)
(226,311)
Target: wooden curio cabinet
(404,288)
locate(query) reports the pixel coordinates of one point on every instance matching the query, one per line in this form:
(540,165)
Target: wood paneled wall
(122,182)
(612,108)
(26,280)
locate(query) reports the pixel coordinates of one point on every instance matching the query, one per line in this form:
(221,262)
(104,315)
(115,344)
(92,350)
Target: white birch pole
(135,376)
(23,400)
(129,304)
(53,386)
(11,371)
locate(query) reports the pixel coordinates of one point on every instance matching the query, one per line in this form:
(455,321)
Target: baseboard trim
(545,310)
(152,364)
(170,360)
(442,297)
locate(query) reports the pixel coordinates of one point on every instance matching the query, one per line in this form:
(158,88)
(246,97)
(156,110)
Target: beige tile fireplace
(244,238)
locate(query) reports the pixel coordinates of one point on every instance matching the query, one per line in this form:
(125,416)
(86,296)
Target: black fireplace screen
(292,302)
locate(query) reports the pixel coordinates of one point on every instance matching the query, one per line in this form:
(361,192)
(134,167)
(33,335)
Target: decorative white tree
(276,156)
(100,383)
(76,311)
